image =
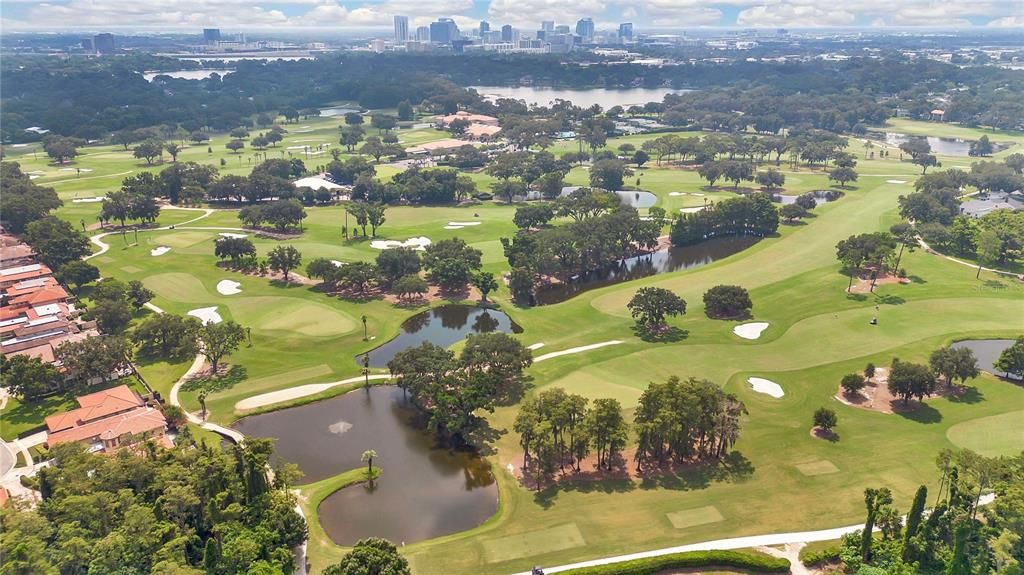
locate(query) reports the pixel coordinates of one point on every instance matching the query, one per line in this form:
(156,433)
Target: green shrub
(752,562)
(818,557)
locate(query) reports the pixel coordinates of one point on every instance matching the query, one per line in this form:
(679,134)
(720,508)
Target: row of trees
(281,214)
(557,429)
(754,215)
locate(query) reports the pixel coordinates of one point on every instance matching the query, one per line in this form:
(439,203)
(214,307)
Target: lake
(423,491)
(987,351)
(442,326)
(605,97)
(670,260)
(186,74)
(940,146)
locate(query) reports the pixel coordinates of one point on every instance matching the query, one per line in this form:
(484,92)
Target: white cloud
(795,15)
(1008,22)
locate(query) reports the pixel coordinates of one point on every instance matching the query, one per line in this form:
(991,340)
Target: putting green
(183,239)
(532,543)
(178,286)
(293,376)
(1001,434)
(291,314)
(693,517)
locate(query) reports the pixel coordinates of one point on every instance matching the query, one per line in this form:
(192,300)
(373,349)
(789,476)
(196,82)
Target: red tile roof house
(108,420)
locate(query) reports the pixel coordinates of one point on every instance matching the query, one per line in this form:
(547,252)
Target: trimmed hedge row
(752,562)
(820,557)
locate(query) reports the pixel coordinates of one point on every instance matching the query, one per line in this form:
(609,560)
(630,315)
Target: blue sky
(339,14)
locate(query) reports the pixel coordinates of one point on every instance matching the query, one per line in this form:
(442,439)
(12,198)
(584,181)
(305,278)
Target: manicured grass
(779,479)
(311,495)
(687,518)
(991,436)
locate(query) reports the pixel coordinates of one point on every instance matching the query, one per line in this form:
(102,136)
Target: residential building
(563,29)
(108,420)
(423,34)
(401,28)
(443,121)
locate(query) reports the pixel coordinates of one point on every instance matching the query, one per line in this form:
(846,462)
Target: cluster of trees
(24,200)
(875,251)
(996,238)
(114,303)
(557,429)
(84,363)
(682,421)
(955,537)
(449,391)
(1011,360)
(519,171)
(190,510)
(727,302)
(737,154)
(129,204)
(602,232)
(281,214)
(754,215)
(651,306)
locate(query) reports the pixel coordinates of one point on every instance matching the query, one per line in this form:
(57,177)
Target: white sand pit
(453,227)
(295,148)
(83,170)
(750,330)
(464,224)
(159,251)
(895,181)
(88,200)
(418,243)
(338,264)
(691,210)
(677,193)
(231,235)
(766,386)
(696,194)
(228,287)
(207,315)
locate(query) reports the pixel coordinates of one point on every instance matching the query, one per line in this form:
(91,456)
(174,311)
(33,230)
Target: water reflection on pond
(423,491)
(987,351)
(670,260)
(940,146)
(442,326)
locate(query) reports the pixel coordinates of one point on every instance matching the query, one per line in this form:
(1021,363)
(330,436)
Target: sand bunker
(535,346)
(418,243)
(338,264)
(88,200)
(231,235)
(750,330)
(296,148)
(766,386)
(895,181)
(83,170)
(677,193)
(206,315)
(159,251)
(228,287)
(691,210)
(460,225)
(339,428)
(696,194)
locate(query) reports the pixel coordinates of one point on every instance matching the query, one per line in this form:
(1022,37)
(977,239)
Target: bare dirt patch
(863,284)
(875,396)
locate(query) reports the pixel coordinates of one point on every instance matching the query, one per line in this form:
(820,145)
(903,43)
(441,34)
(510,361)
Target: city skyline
(523,14)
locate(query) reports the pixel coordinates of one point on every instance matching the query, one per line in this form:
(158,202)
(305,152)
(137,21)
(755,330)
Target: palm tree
(368,456)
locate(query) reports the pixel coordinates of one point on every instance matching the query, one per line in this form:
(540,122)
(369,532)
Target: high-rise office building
(626,31)
(585,28)
(103,43)
(211,35)
(423,34)
(506,33)
(485,27)
(443,31)
(562,29)
(401,28)
(548,25)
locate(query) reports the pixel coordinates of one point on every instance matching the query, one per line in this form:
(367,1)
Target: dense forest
(90,98)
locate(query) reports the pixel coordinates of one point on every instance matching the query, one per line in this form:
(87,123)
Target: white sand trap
(535,346)
(83,170)
(159,251)
(454,227)
(310,140)
(339,428)
(750,330)
(19,145)
(691,210)
(463,224)
(88,200)
(296,148)
(766,386)
(301,131)
(895,181)
(696,194)
(677,193)
(417,243)
(34,176)
(228,287)
(231,235)
(206,315)
(338,264)
(573,350)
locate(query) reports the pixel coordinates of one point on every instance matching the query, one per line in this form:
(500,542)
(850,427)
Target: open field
(779,478)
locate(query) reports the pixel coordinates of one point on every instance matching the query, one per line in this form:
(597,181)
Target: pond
(606,98)
(335,111)
(940,146)
(187,74)
(637,199)
(670,260)
(442,326)
(987,351)
(820,197)
(423,491)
